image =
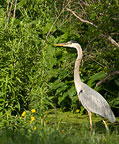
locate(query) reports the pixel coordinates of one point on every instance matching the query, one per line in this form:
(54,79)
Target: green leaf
(49,27)
(97,76)
(117,82)
(62,98)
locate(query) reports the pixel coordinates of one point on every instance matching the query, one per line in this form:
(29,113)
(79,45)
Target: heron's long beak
(60,44)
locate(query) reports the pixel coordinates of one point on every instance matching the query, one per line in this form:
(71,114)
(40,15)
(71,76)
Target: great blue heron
(90,99)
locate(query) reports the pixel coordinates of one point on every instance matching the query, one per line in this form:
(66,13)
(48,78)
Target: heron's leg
(105,125)
(89,113)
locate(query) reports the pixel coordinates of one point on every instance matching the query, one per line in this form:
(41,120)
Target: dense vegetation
(35,75)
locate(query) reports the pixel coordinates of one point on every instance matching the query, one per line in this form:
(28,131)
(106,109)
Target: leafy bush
(34,74)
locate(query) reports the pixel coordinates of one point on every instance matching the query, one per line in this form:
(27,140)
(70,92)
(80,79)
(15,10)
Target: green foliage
(96,77)
(22,63)
(62,128)
(35,74)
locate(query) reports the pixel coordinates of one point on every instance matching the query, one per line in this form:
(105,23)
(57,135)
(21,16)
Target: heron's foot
(105,125)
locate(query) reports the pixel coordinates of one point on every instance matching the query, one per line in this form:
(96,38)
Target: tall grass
(56,127)
(52,136)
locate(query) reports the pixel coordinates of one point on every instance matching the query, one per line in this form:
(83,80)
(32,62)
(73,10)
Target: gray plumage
(95,103)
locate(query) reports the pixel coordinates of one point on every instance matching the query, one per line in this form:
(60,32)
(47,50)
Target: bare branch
(15,8)
(113,41)
(82,20)
(107,77)
(88,22)
(9,9)
(54,24)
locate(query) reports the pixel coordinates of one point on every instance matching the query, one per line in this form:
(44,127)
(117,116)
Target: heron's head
(71,44)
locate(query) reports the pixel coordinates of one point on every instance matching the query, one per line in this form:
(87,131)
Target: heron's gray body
(94,102)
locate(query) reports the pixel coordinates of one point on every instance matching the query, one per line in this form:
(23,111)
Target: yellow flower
(77,110)
(35,128)
(23,114)
(32,119)
(33,110)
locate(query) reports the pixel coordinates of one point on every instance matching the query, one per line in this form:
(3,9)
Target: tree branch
(9,9)
(113,41)
(82,20)
(88,22)
(54,24)
(107,77)
(15,8)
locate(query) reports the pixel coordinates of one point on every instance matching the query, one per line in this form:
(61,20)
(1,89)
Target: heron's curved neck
(77,79)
